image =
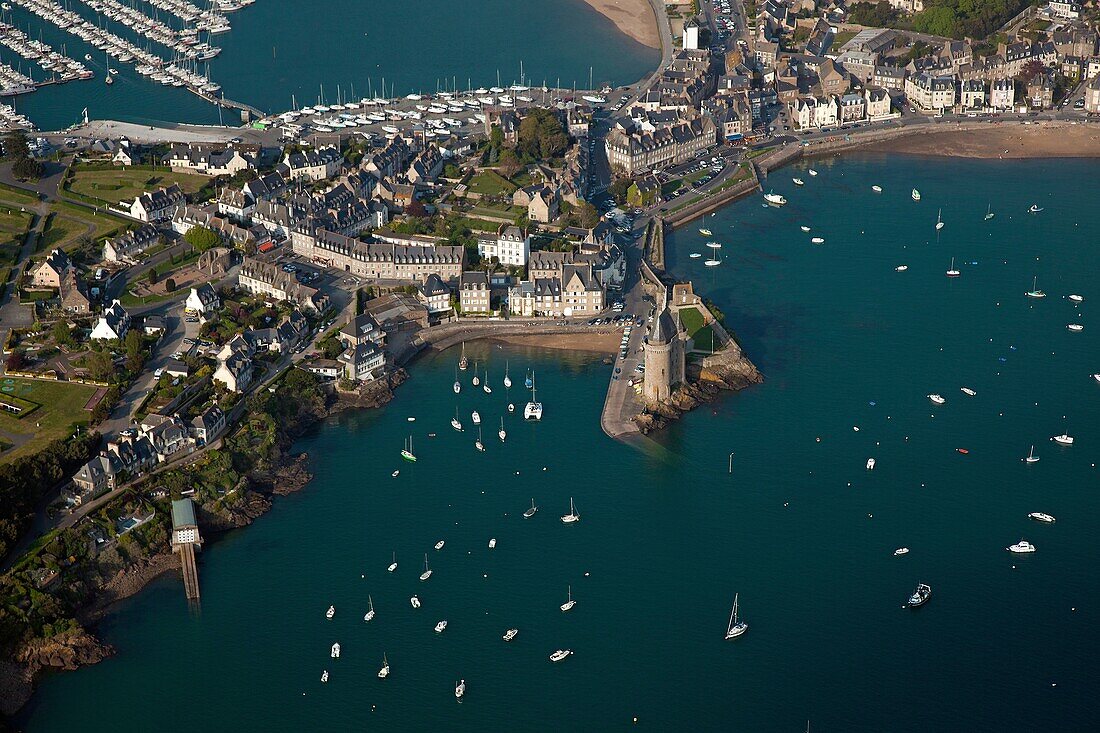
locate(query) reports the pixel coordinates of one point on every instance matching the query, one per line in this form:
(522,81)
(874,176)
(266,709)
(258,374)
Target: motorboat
(560,655)
(1096,376)
(695,255)
(901,268)
(385,671)
(441,626)
(775,198)
(369,615)
(1041,517)
(939,400)
(920,596)
(395,474)
(511,407)
(736,627)
(1035,209)
(1075,327)
(952,272)
(1063,439)
(817,240)
(876,188)
(330,612)
(1035,292)
(530,512)
(714,245)
(901,551)
(460,689)
(439,545)
(510,634)
(475,417)
(1022,547)
(393,565)
(324,675)
(414,602)
(572,516)
(1031,457)
(967,391)
(798,182)
(335,653)
(870,464)
(916,195)
(812,172)
(427,571)
(706,232)
(804,228)
(570,603)
(1075,298)
(492,543)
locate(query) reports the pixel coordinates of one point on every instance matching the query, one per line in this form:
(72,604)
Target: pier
(186,541)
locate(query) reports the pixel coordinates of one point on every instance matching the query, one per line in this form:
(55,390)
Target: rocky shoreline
(703,384)
(79,647)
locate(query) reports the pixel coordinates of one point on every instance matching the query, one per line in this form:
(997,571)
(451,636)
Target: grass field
(491,183)
(114,185)
(692,319)
(62,404)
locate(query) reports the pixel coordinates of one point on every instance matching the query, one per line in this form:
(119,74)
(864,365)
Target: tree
(1030,69)
(587,215)
(15,360)
(62,334)
(151,276)
(15,145)
(202,238)
(169,285)
(541,136)
(133,343)
(509,163)
(619,188)
(100,366)
(26,168)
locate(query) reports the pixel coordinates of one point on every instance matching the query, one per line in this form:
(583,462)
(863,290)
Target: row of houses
(809,113)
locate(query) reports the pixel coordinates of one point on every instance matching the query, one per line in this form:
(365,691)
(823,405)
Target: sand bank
(602,343)
(633,17)
(1048,140)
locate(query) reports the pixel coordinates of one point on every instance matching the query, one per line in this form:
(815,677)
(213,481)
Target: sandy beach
(601,343)
(633,17)
(1058,140)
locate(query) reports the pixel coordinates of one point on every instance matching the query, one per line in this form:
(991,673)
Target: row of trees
(947,18)
(17,150)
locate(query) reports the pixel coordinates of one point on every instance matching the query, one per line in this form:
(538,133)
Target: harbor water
(280,51)
(668,533)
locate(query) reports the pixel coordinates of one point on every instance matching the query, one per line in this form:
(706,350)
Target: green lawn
(13,226)
(842,38)
(490,183)
(114,185)
(476,224)
(62,232)
(62,404)
(10,194)
(692,319)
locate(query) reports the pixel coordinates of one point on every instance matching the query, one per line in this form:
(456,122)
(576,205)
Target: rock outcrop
(68,650)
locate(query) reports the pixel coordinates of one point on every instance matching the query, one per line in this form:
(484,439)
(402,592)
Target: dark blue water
(281,51)
(800,529)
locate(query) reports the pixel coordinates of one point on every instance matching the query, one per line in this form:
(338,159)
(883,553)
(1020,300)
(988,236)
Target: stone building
(664,358)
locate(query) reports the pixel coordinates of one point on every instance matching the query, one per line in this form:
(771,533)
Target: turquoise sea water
(800,529)
(279,48)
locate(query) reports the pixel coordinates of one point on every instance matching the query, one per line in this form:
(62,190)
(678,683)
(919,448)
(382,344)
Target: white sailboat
(476,380)
(460,689)
(457,386)
(533,409)
(572,516)
(507,379)
(462,361)
(369,615)
(427,571)
(385,671)
(1035,292)
(736,627)
(568,605)
(500,433)
(475,417)
(485,385)
(939,220)
(989,213)
(952,272)
(330,612)
(335,653)
(530,512)
(393,565)
(455,423)
(1031,457)
(478,444)
(916,195)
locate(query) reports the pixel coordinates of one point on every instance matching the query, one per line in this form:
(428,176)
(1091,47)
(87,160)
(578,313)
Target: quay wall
(709,204)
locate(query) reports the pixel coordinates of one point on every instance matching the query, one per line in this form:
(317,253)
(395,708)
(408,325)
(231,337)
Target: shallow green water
(800,529)
(279,48)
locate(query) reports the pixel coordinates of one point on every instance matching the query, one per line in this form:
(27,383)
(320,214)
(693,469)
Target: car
(158,372)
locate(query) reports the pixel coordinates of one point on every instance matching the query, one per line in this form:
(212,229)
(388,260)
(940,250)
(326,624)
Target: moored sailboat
(572,516)
(736,627)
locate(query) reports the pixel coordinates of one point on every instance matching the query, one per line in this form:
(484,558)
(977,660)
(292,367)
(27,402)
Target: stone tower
(664,358)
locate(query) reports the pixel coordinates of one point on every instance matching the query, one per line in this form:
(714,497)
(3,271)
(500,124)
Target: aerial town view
(576,364)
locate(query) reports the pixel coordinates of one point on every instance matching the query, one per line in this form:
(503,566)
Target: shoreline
(1002,141)
(597,343)
(633,18)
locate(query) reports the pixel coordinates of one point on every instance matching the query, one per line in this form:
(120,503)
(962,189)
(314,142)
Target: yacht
(568,605)
(393,565)
(1075,327)
(460,689)
(901,551)
(407,452)
(560,655)
(937,399)
(1063,439)
(817,240)
(336,650)
(324,675)
(572,516)
(901,268)
(500,433)
(1035,292)
(477,443)
(1041,517)
(870,464)
(812,172)
(330,612)
(736,627)
(441,626)
(798,182)
(920,596)
(533,409)
(967,391)
(530,512)
(385,671)
(414,602)
(1022,547)
(1031,457)
(369,615)
(953,272)
(1035,209)
(916,195)
(492,543)
(876,188)
(939,220)
(475,417)
(427,571)
(510,634)
(775,198)
(712,262)
(439,545)
(804,228)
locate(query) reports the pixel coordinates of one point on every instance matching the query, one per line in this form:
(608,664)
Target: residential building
(157,205)
(474,292)
(833,79)
(582,294)
(972,94)
(312,165)
(632,153)
(363,362)
(362,329)
(888,77)
(1002,94)
(380,260)
(690,38)
(1092,96)
(510,245)
(52,270)
(1064,9)
(235,372)
(435,294)
(211,160)
(131,244)
(74,296)
(202,300)
(113,324)
(264,278)
(1040,91)
(930,93)
(208,425)
(877,100)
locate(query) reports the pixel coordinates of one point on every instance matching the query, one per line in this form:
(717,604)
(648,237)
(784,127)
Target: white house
(202,300)
(435,294)
(113,324)
(510,245)
(158,204)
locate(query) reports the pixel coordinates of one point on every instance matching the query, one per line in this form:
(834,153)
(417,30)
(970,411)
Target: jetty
(186,541)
